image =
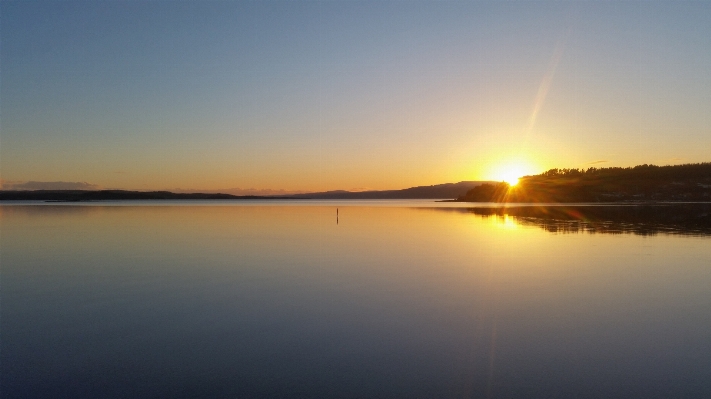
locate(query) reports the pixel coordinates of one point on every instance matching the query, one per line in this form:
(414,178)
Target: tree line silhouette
(687,182)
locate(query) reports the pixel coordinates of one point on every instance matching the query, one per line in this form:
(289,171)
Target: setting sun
(512,181)
(511,172)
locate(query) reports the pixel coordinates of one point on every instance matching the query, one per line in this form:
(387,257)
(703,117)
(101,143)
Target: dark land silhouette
(438,191)
(107,195)
(642,183)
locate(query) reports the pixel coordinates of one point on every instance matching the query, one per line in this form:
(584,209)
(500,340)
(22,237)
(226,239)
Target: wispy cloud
(597,162)
(47,185)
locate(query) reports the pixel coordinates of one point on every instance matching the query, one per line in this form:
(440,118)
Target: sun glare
(512,181)
(511,172)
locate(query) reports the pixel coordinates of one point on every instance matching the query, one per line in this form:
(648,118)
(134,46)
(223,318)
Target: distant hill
(689,182)
(438,191)
(105,195)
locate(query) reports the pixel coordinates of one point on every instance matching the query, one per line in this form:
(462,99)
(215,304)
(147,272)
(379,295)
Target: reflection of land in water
(648,219)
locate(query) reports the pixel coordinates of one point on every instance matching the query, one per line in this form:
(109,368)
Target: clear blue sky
(311,95)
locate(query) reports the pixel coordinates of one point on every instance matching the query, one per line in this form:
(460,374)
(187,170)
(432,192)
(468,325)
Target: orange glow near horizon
(510,172)
(512,181)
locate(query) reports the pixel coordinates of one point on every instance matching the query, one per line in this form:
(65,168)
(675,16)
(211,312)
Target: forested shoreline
(642,183)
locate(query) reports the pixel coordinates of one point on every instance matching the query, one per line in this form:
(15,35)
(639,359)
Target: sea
(348,299)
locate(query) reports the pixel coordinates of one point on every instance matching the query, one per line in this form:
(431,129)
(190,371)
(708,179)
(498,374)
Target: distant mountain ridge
(112,195)
(438,191)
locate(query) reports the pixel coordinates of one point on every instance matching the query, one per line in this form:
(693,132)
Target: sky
(294,96)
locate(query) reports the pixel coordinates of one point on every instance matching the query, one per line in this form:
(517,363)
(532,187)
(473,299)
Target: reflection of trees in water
(572,227)
(684,219)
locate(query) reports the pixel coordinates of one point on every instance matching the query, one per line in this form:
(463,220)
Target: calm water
(397,299)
